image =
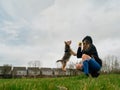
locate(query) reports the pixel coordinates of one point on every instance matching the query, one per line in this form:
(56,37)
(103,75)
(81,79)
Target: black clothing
(91,51)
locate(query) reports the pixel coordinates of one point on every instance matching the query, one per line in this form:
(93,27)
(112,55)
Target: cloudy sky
(36,29)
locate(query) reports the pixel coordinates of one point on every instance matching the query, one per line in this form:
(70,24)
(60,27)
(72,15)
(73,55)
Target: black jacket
(91,51)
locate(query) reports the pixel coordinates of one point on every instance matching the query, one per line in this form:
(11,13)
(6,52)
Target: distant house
(46,71)
(33,71)
(70,72)
(5,71)
(19,71)
(1,70)
(78,72)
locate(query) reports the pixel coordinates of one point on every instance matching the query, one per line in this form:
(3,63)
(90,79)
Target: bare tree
(116,65)
(35,63)
(110,63)
(7,71)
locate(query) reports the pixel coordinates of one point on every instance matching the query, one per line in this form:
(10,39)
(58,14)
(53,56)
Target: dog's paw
(63,69)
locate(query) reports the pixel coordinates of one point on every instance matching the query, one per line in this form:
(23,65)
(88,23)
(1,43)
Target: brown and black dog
(67,55)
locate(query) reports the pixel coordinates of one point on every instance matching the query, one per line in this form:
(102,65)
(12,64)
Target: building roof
(19,68)
(46,69)
(33,68)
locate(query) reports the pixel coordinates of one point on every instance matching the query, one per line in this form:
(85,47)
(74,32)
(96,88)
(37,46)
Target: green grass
(103,82)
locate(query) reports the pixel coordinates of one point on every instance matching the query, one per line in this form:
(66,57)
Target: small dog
(66,56)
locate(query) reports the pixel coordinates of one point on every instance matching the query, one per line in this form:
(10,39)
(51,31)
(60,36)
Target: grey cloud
(68,20)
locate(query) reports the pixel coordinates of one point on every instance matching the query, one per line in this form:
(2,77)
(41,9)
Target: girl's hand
(80,44)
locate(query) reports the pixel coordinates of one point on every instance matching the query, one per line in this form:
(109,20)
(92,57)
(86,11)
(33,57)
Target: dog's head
(68,42)
(67,46)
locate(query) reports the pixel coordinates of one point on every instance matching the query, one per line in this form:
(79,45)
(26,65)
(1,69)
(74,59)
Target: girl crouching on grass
(91,63)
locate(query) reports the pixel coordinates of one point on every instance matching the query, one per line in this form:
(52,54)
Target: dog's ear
(65,42)
(70,41)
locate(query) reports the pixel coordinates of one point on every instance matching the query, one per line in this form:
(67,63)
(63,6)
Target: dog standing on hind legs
(67,55)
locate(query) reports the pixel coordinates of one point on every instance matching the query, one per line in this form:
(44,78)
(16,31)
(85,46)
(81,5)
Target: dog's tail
(59,61)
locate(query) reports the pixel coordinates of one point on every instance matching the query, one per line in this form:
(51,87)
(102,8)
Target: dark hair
(88,39)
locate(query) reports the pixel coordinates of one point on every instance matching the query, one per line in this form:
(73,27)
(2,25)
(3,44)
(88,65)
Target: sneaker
(95,75)
(87,75)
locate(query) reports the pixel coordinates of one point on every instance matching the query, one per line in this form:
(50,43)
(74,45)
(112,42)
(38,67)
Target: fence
(19,72)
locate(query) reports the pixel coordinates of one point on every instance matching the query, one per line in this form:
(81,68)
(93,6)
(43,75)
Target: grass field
(103,82)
